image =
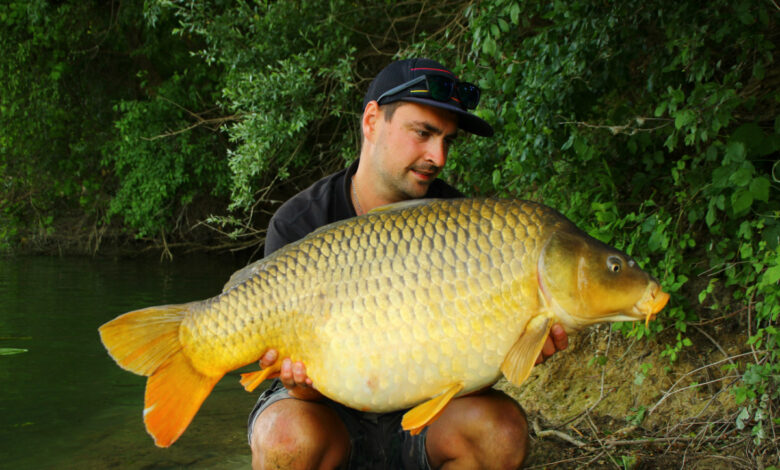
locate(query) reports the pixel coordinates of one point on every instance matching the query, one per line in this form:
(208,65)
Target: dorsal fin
(243,274)
(401,205)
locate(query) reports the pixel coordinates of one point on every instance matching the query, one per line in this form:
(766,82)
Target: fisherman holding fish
(412,112)
(409,311)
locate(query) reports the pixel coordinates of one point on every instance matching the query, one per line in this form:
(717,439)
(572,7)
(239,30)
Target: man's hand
(557,340)
(293,376)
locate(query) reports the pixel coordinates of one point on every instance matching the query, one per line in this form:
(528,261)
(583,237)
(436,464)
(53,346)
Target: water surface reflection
(65,403)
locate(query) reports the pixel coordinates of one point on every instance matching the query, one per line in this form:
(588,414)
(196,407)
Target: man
(412,112)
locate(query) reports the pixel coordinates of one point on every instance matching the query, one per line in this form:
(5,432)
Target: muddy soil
(613,402)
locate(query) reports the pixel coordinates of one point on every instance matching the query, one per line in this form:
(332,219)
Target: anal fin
(426,413)
(522,355)
(251,380)
(174,393)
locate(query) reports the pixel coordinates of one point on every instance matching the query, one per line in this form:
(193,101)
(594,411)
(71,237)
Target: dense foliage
(653,124)
(92,99)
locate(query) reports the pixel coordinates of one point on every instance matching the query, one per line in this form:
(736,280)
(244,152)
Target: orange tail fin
(146,342)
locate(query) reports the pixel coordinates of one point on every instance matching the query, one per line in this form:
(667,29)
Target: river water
(64,403)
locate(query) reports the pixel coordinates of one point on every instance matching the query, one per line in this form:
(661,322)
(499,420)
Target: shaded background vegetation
(182,125)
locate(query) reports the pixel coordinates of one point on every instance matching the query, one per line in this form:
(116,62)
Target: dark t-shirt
(322,203)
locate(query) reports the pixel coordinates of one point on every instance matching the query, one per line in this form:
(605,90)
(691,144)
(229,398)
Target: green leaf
(771,276)
(740,395)
(684,118)
(489,46)
(720,202)
(720,176)
(743,176)
(514,13)
(735,152)
(660,109)
(711,215)
(759,188)
(741,201)
(496,177)
(658,240)
(11,351)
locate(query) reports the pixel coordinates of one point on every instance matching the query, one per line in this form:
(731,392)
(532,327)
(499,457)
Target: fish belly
(395,379)
(393,358)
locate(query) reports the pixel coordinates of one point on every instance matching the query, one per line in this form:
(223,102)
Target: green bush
(654,126)
(161,161)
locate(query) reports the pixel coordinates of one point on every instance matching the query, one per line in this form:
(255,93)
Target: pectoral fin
(251,380)
(520,360)
(425,413)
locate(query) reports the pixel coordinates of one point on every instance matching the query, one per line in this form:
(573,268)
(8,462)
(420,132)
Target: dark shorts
(377,440)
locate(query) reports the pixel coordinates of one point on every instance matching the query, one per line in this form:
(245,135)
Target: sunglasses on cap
(440,88)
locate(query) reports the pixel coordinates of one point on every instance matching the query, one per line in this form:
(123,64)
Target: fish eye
(614,264)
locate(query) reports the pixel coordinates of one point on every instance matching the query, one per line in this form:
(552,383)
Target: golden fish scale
(388,309)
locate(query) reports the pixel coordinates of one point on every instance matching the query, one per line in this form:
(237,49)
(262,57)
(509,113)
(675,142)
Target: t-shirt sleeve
(275,236)
(293,221)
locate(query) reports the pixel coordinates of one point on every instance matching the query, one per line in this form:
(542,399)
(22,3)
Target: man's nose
(437,152)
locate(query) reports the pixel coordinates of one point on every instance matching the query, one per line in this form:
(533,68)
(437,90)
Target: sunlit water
(65,403)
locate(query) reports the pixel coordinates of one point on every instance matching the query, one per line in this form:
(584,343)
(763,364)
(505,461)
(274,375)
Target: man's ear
(371,116)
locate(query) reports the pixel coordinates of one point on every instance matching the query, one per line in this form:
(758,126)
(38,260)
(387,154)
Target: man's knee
(502,428)
(510,433)
(297,434)
(489,430)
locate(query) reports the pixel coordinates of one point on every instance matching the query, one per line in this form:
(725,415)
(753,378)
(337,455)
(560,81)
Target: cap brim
(466,121)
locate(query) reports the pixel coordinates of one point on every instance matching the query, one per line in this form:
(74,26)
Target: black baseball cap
(403,71)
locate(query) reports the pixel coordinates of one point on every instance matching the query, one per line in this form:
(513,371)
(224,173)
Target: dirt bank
(614,402)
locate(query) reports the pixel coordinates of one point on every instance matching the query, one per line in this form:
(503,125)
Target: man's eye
(423,133)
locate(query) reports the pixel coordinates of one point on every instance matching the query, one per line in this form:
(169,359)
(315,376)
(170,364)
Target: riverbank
(615,402)
(78,236)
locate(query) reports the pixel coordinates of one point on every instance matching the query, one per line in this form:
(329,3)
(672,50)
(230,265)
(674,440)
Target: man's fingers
(293,374)
(269,358)
(549,348)
(299,373)
(286,375)
(557,340)
(559,337)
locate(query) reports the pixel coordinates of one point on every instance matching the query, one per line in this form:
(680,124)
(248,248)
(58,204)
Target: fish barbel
(407,306)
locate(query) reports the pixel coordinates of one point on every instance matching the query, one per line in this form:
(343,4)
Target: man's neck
(366,192)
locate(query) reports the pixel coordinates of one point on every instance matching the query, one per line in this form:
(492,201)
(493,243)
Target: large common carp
(407,306)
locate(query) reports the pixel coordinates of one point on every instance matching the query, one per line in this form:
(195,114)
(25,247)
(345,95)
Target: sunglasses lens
(468,93)
(440,88)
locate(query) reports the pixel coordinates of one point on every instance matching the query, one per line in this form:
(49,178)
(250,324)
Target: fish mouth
(652,302)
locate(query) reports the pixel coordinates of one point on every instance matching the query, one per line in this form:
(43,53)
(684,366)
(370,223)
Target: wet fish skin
(347,292)
(391,309)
